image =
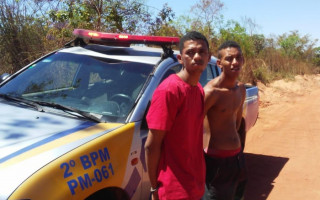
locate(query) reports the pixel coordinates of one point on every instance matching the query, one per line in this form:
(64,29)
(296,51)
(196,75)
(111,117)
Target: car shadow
(262,171)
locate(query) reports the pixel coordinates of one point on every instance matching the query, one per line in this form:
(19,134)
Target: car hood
(30,140)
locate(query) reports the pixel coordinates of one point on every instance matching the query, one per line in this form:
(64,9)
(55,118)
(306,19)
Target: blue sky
(274,17)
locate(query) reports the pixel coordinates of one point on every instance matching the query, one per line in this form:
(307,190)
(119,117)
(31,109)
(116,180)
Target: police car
(72,123)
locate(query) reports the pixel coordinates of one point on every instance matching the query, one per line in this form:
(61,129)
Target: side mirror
(3,77)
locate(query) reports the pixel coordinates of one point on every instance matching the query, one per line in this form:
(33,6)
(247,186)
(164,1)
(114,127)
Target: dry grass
(271,65)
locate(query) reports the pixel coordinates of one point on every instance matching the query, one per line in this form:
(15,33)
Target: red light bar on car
(102,37)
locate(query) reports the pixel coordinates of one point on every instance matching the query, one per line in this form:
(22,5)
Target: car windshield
(103,87)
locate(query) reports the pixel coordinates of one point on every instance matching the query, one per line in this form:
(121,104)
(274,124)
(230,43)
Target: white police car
(72,123)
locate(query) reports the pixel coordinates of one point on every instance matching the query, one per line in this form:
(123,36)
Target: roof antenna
(76,42)
(167,52)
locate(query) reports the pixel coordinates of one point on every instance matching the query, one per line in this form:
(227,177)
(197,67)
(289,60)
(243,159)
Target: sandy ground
(283,148)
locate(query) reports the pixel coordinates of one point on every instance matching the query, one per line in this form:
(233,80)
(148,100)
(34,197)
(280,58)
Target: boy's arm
(153,151)
(240,110)
(242,133)
(209,101)
(208,97)
(206,132)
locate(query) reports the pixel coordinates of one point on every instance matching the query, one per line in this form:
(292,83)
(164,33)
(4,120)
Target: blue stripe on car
(47,140)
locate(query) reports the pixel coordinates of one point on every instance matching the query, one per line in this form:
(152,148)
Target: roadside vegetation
(32,28)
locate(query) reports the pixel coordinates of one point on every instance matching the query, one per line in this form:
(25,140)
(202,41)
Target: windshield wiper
(38,105)
(23,101)
(70,110)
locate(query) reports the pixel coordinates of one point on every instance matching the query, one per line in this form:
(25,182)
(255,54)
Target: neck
(227,82)
(191,79)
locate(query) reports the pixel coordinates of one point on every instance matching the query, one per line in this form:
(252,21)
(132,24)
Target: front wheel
(112,193)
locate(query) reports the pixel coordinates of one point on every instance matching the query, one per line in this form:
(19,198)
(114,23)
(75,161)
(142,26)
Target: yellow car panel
(96,161)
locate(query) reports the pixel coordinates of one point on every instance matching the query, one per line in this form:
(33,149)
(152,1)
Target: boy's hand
(154,196)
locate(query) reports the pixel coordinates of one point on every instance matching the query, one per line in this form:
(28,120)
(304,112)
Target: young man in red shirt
(174,147)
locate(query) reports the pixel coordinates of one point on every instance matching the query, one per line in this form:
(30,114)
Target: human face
(231,61)
(194,56)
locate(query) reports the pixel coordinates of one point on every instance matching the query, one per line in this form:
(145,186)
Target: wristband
(152,190)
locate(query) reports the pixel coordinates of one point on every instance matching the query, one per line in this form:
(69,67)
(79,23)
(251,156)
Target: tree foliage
(31,28)
(293,45)
(125,16)
(117,16)
(206,13)
(162,24)
(234,31)
(21,34)
(316,57)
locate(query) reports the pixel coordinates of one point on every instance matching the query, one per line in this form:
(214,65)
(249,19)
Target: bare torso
(224,110)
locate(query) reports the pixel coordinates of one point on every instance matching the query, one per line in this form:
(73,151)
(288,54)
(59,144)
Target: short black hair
(192,35)
(228,44)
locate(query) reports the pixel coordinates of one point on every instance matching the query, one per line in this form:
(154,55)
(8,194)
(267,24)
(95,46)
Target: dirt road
(283,149)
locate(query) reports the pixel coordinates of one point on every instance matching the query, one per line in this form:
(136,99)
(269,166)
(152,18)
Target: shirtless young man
(224,98)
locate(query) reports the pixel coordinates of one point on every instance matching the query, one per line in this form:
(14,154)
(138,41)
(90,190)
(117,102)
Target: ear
(180,59)
(219,63)
(209,56)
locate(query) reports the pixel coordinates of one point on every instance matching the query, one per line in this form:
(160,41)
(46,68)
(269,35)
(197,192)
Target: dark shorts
(225,177)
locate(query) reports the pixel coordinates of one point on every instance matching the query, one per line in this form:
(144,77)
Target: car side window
(173,70)
(216,70)
(206,76)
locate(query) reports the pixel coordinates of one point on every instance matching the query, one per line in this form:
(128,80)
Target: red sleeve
(163,109)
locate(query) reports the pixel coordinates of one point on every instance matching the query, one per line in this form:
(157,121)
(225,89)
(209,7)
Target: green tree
(206,13)
(234,31)
(21,34)
(259,43)
(116,16)
(290,44)
(316,57)
(126,16)
(206,19)
(296,46)
(163,25)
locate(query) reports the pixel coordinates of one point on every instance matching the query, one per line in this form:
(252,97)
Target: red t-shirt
(178,108)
